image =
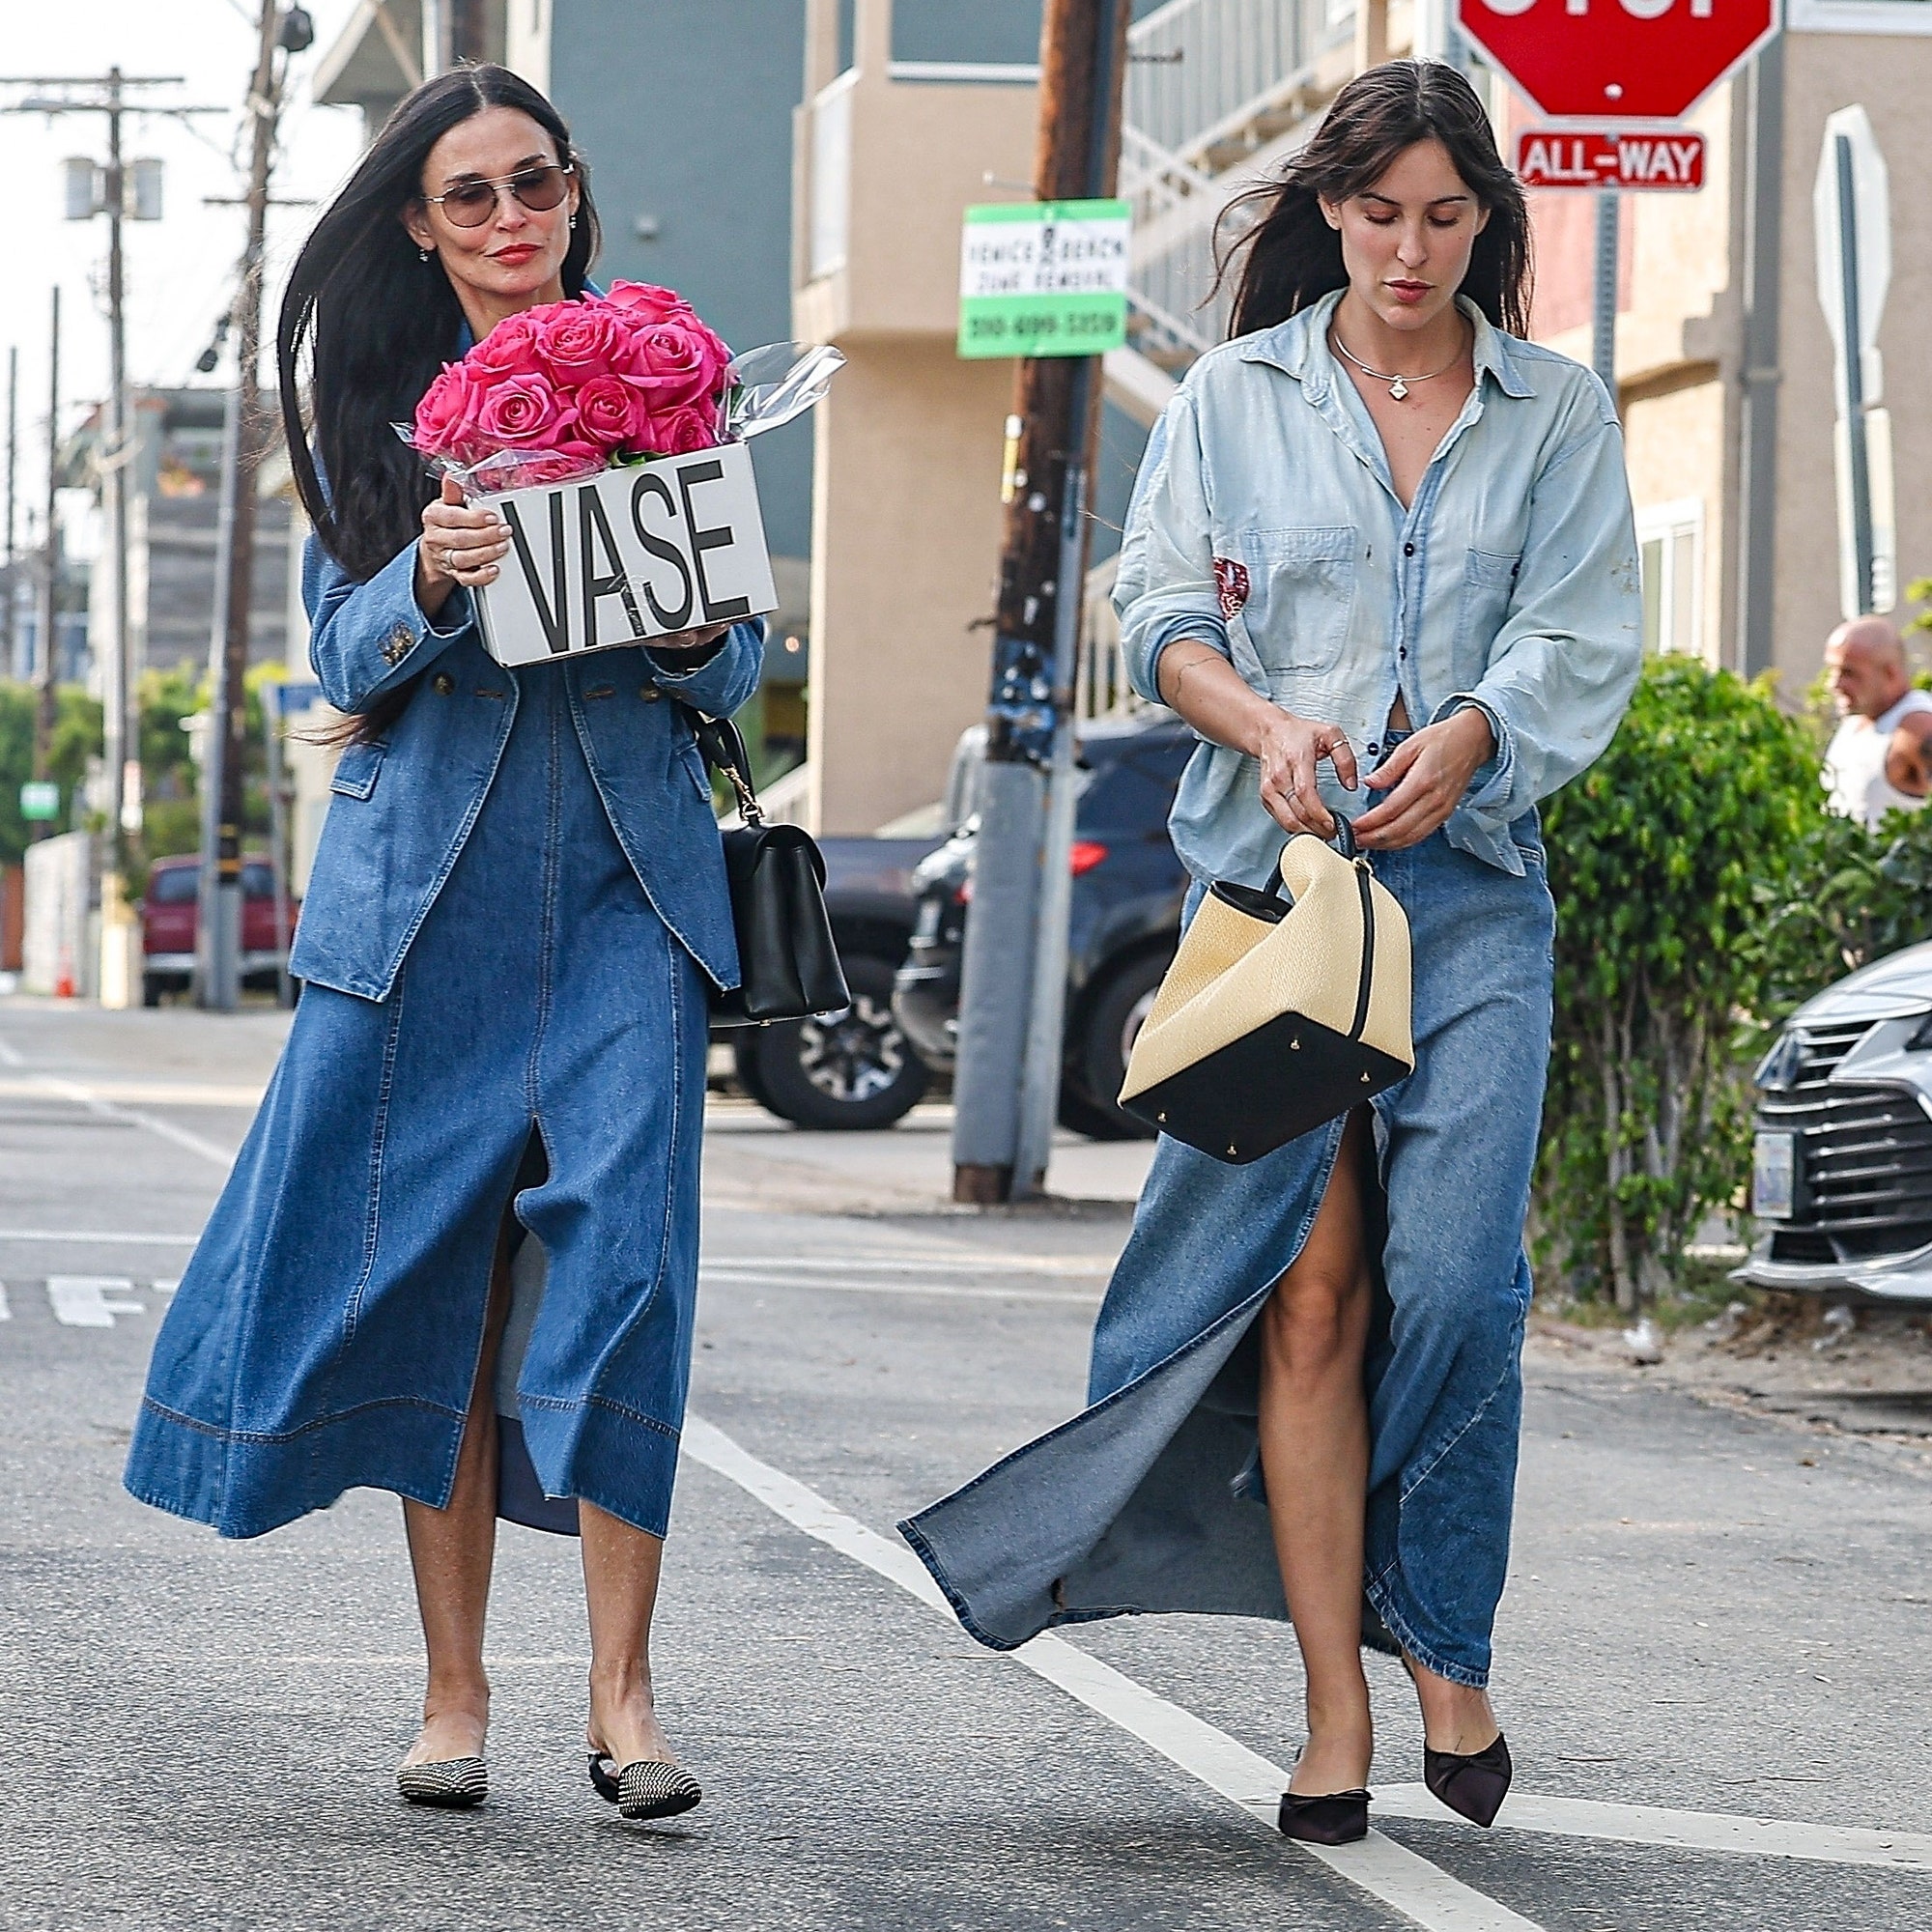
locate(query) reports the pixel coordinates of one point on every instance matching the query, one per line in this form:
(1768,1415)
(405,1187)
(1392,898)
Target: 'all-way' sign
(1610,157)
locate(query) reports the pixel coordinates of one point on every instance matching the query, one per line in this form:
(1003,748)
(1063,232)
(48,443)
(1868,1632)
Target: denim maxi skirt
(1151,1499)
(327,1331)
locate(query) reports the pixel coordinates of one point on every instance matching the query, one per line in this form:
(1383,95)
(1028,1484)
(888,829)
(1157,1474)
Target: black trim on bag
(1361,1018)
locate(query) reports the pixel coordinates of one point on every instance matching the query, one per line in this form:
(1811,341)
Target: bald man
(1880,759)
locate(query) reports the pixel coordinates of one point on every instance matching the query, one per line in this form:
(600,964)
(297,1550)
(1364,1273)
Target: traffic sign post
(1852,207)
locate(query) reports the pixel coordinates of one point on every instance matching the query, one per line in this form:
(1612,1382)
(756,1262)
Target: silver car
(1841,1182)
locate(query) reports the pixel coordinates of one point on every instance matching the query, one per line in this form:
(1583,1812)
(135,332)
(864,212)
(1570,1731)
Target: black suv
(1124,923)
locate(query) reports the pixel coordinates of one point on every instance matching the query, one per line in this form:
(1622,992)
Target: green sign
(39,797)
(1044,278)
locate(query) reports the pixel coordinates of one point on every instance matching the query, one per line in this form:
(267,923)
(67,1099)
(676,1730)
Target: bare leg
(1315,1455)
(451,1552)
(620,1585)
(1454,1716)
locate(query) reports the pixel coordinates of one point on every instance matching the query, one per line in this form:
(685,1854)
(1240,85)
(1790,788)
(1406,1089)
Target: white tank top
(1854,771)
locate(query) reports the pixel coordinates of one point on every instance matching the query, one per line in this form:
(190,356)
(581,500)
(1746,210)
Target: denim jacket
(403,806)
(1264,524)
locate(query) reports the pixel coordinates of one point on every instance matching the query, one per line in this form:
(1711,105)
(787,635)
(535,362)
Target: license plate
(1775,1177)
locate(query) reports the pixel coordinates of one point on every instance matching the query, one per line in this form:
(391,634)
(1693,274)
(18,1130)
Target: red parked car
(168,919)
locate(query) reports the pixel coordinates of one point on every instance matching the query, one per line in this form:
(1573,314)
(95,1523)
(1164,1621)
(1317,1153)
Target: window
(1671,543)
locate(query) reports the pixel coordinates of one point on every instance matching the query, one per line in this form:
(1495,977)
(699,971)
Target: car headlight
(1778,1068)
(1921,1037)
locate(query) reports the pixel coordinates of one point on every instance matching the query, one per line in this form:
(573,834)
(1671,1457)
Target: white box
(627,556)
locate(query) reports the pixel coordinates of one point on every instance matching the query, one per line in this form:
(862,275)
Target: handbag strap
(724,750)
(1344,844)
(1366,985)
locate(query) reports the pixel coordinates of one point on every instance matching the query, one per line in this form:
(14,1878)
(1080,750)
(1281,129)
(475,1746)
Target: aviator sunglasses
(473,203)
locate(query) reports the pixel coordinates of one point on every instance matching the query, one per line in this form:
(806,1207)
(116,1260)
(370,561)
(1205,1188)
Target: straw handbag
(1277,1013)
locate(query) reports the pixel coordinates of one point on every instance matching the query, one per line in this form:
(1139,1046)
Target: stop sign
(1626,59)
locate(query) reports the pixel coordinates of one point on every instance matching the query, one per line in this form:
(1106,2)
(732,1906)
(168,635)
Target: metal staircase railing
(1213,85)
(1212,80)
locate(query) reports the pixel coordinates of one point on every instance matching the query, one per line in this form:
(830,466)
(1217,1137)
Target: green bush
(76,738)
(1848,897)
(1668,860)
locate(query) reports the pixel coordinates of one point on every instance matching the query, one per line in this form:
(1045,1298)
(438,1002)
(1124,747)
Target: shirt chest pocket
(1301,594)
(1488,582)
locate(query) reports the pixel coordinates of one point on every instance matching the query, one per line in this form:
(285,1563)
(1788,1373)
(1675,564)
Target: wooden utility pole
(218,948)
(1083,54)
(1015,972)
(13,521)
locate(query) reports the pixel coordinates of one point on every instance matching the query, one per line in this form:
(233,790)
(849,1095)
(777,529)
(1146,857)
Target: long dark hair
(1285,256)
(376,322)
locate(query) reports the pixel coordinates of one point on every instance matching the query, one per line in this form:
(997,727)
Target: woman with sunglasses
(516,909)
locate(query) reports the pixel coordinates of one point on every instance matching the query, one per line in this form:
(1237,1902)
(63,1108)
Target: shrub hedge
(1703,893)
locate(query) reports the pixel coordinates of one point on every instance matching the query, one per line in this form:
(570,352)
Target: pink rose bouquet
(573,388)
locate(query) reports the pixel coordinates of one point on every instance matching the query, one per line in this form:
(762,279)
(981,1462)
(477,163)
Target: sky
(179,269)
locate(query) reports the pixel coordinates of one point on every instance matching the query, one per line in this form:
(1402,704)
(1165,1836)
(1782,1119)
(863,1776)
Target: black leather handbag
(788,963)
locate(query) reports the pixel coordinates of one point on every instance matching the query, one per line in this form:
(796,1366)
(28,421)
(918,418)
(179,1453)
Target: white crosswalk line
(81,1300)
(6,1312)
(1390,1872)
(85,1237)
(85,1096)
(1689,1831)
(724,1274)
(1422,1892)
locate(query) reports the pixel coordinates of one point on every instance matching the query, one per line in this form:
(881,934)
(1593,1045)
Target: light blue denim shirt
(1264,523)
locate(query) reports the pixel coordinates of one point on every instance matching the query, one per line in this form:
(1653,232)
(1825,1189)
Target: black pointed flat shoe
(1473,1783)
(1333,1818)
(454,1783)
(644,1788)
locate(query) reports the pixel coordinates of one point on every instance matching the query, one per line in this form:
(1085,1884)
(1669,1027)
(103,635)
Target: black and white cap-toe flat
(452,1783)
(646,1787)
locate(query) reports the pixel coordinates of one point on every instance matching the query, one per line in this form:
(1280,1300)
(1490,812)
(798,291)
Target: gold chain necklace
(1399,385)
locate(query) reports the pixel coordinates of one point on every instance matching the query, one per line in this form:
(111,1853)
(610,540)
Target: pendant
(1398,389)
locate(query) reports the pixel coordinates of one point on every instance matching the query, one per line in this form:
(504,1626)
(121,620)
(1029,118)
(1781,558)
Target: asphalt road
(1715,1656)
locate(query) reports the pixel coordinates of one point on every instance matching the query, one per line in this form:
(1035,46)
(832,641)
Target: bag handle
(724,750)
(1342,841)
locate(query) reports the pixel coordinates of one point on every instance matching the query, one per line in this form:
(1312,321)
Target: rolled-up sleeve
(725,681)
(1164,588)
(1567,659)
(367,638)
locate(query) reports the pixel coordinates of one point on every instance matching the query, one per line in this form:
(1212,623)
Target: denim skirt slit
(543,1051)
(1151,1499)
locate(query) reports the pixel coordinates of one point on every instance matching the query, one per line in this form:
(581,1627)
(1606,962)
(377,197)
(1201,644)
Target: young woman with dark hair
(1381,556)
(516,908)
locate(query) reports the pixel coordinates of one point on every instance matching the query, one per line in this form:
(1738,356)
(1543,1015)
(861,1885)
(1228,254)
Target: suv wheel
(857,1070)
(1097,1060)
